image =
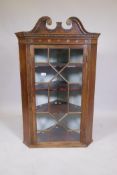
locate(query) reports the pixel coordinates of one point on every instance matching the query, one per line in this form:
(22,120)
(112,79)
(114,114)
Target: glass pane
(71,122)
(58,58)
(58,89)
(74,98)
(76,56)
(44,73)
(58,96)
(44,122)
(66,129)
(72,74)
(41,55)
(42,100)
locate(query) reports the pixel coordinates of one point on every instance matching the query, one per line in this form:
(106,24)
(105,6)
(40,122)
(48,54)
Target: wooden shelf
(57,133)
(57,86)
(70,65)
(58,106)
(41,65)
(75,65)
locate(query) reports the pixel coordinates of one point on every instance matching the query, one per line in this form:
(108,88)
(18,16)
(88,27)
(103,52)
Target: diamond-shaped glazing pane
(72,74)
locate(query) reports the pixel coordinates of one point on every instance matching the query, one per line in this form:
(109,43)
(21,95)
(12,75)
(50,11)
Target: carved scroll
(41,28)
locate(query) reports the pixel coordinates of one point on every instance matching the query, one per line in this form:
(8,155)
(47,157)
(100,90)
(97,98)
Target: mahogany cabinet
(57,68)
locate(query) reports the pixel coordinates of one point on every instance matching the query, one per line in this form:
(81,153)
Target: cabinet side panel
(85,95)
(91,91)
(24,93)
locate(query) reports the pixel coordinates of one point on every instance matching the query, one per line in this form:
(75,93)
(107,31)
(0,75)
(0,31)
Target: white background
(100,157)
